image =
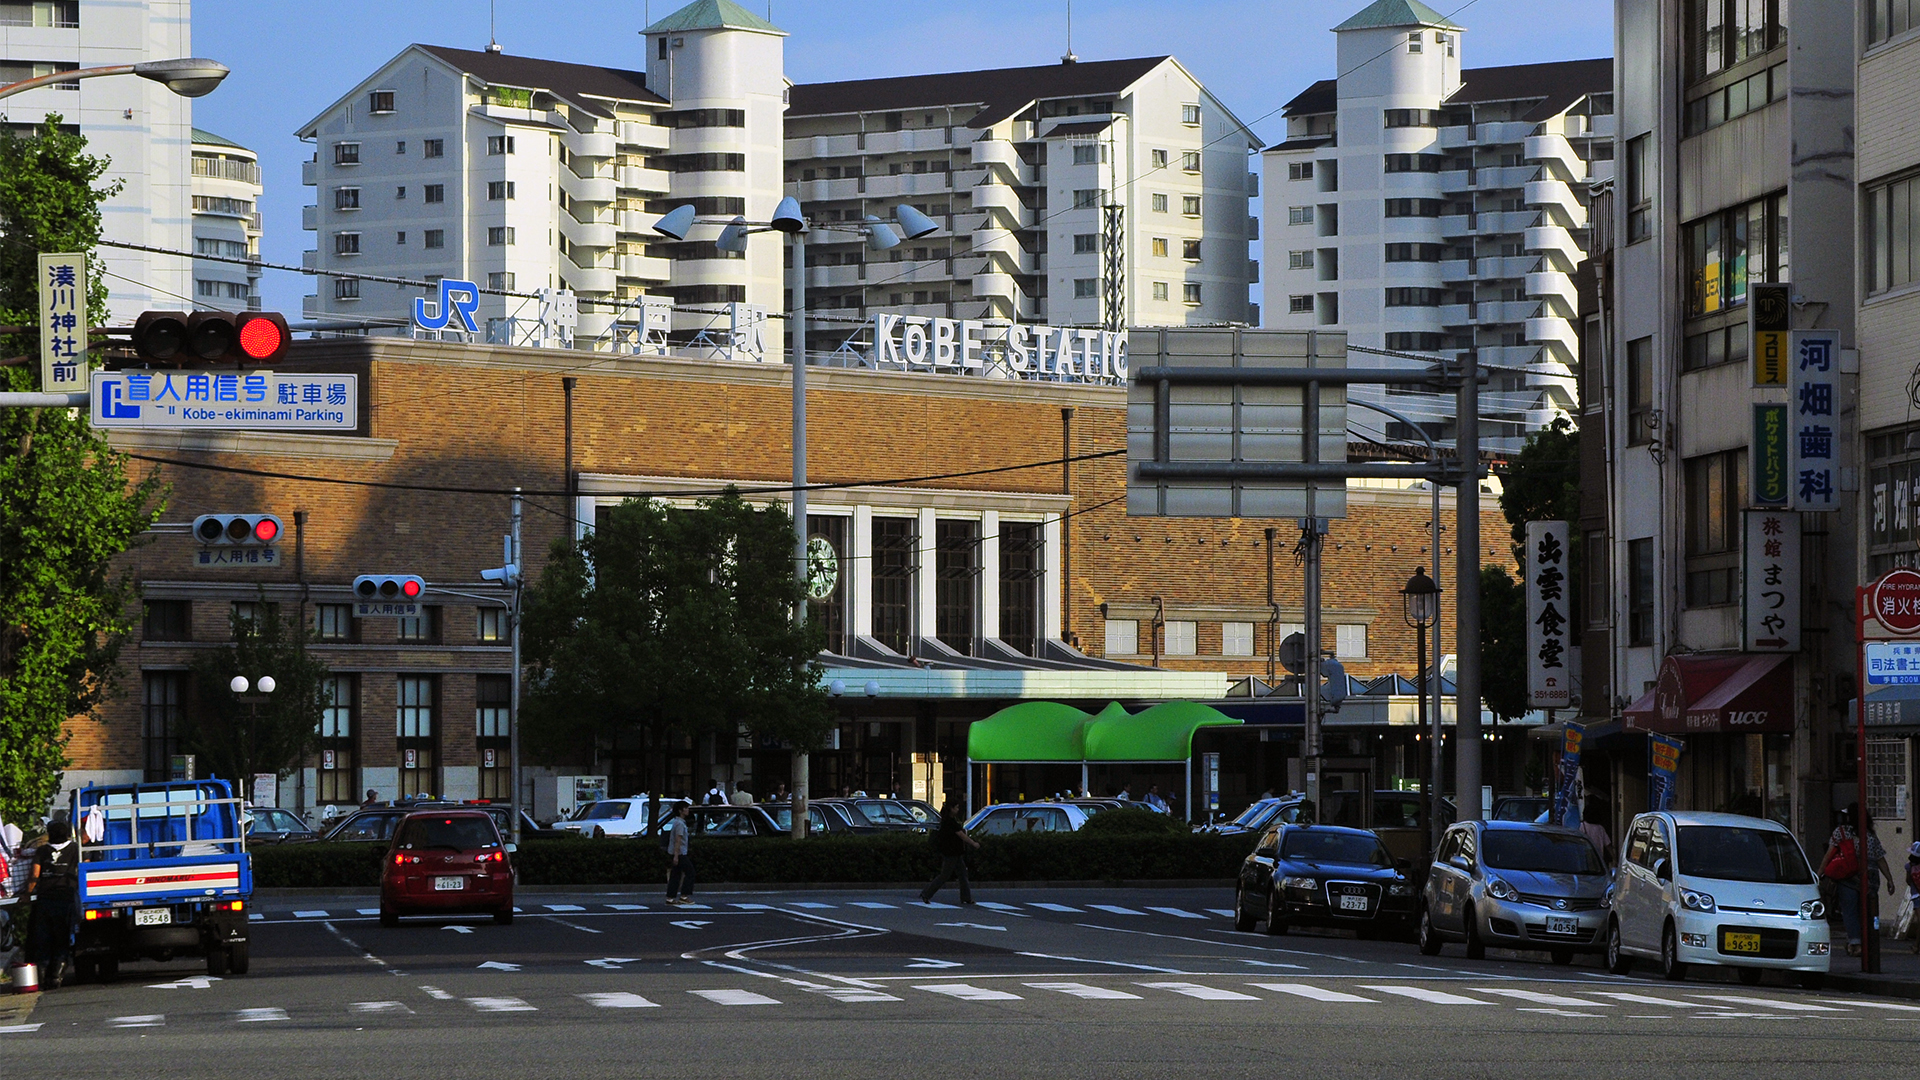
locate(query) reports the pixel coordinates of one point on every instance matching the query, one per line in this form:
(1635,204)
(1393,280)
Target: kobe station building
(954,597)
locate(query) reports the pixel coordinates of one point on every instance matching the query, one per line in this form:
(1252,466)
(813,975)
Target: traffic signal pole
(1466,679)
(513,677)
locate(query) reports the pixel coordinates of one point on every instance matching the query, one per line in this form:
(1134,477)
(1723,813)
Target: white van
(1716,889)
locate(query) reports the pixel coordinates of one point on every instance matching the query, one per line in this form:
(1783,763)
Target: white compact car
(1717,889)
(618,817)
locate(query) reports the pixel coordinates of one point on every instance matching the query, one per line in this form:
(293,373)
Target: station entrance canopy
(1050,732)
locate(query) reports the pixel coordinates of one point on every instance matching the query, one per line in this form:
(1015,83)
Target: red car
(446,861)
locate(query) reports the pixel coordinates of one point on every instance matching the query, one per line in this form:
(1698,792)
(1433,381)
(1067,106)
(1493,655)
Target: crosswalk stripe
(154,1020)
(257,1016)
(18,1029)
(938,904)
(1421,993)
(1313,993)
(1541,999)
(1643,999)
(370,1008)
(1221,911)
(563,907)
(628,907)
(1176,912)
(366,911)
(1564,1012)
(753,907)
(1768,1003)
(1082,990)
(256,917)
(997,906)
(851,994)
(968,993)
(1114,908)
(812,904)
(734,997)
(875,904)
(310,914)
(1055,907)
(1874,1005)
(500,1004)
(618,1001)
(1195,990)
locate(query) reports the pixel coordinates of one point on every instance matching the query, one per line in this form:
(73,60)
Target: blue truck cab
(164,873)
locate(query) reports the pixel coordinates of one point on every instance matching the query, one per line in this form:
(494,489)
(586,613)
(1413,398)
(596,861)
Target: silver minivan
(1514,885)
(1717,889)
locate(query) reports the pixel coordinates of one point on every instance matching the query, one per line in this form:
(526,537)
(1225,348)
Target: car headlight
(1697,901)
(1399,888)
(1300,883)
(1500,890)
(1813,909)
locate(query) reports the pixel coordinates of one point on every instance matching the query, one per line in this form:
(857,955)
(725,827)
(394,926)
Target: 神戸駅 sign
(1003,350)
(1549,682)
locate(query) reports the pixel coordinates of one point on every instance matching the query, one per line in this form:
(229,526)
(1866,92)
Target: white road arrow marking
(926,962)
(973,925)
(691,924)
(459,929)
(499,966)
(612,963)
(193,982)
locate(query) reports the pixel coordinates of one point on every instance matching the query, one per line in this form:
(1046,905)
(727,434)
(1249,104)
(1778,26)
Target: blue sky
(291,58)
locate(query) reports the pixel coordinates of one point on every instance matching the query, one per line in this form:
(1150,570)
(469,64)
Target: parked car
(368,825)
(272,825)
(1009,818)
(1096,806)
(1322,875)
(619,817)
(1515,885)
(922,810)
(446,861)
(1717,889)
(735,821)
(530,829)
(892,814)
(1520,807)
(820,819)
(1263,814)
(1392,815)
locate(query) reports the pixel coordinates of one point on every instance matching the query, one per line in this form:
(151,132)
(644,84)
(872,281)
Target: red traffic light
(266,529)
(236,528)
(261,336)
(410,588)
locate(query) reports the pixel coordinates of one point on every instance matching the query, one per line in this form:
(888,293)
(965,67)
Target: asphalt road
(846,985)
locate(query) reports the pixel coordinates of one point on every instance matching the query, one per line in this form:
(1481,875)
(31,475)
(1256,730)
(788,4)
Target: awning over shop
(1742,693)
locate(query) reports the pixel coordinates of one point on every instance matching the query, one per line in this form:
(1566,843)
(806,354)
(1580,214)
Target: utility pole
(513,677)
(797,320)
(300,641)
(1311,532)
(1466,680)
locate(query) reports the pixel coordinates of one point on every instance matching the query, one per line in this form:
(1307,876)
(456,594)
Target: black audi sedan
(1323,875)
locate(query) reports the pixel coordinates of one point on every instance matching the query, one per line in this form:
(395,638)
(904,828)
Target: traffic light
(176,337)
(245,529)
(400,587)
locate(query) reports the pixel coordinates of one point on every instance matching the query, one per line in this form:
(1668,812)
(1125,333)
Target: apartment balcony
(811,147)
(1493,312)
(639,178)
(1504,177)
(709,272)
(837,277)
(1456,181)
(905,184)
(309,172)
(1514,356)
(588,234)
(997,154)
(908,272)
(589,144)
(995,241)
(593,325)
(999,198)
(1456,314)
(589,189)
(995,286)
(1504,132)
(645,267)
(1556,289)
(310,218)
(813,191)
(1458,225)
(1557,243)
(1499,267)
(1457,269)
(1557,198)
(1558,335)
(908,139)
(1557,155)
(310,307)
(643,136)
(1494,222)
(588,279)
(1456,136)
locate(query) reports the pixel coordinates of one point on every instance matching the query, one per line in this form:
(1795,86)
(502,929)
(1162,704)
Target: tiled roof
(712,15)
(1384,13)
(1001,92)
(574,82)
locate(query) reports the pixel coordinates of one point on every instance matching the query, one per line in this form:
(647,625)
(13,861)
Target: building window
(1236,639)
(954,573)
(433,148)
(250,612)
(1182,637)
(1895,490)
(433,239)
(490,624)
(380,101)
(1087,243)
(1122,637)
(1190,205)
(1414,252)
(414,730)
(333,622)
(703,118)
(163,706)
(64,14)
(346,243)
(1190,115)
(499,144)
(1640,592)
(500,279)
(1406,118)
(1599,599)
(346,153)
(346,198)
(400,238)
(1415,297)
(499,189)
(1190,292)
(421,629)
(895,559)
(1190,161)
(694,163)
(1159,158)
(1159,202)
(1893,255)
(167,620)
(1717,106)
(1406,163)
(1414,207)
(1716,490)
(1299,170)
(1413,42)
(1300,305)
(1720,345)
(1160,290)
(1159,247)
(1089,154)
(1444,39)
(1891,18)
(434,193)
(1727,249)
(500,236)
(1190,250)
(492,705)
(1722,33)
(400,148)
(346,288)
(1299,215)
(830,612)
(1639,188)
(1086,198)
(339,735)
(1640,391)
(1086,288)
(1022,575)
(1350,641)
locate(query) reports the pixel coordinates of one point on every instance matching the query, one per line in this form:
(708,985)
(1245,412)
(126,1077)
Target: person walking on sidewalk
(1841,865)
(952,842)
(679,858)
(54,883)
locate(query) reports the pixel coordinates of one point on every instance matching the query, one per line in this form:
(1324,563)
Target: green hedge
(766,860)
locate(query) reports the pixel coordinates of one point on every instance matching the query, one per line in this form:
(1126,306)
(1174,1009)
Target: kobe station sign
(998,349)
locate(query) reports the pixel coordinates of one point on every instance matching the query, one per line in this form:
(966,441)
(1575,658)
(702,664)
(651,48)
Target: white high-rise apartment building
(140,126)
(226,223)
(1427,208)
(520,174)
(1021,166)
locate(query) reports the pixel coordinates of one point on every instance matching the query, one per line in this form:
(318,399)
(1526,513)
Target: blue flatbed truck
(164,874)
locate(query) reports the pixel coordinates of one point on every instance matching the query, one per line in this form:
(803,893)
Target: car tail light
(92,915)
(237,905)
(399,860)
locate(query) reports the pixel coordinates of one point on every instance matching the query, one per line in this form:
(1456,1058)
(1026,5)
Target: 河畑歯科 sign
(1770,572)
(1814,405)
(225,400)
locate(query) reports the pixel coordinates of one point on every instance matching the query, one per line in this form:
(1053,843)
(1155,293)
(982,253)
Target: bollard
(25,977)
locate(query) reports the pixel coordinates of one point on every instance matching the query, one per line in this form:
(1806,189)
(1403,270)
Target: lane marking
(621,1000)
(1561,1012)
(256,917)
(572,926)
(500,1004)
(458,929)
(968,993)
(1267,963)
(366,911)
(1007,909)
(812,904)
(192,982)
(373,1008)
(936,904)
(311,914)
(1115,909)
(19,1029)
(1082,990)
(1421,993)
(973,925)
(875,904)
(1541,999)
(563,907)
(734,997)
(852,994)
(1223,912)
(153,1020)
(497,965)
(1056,907)
(929,962)
(361,949)
(690,924)
(1768,1003)
(257,1016)
(1643,999)
(1195,990)
(1176,912)
(1107,963)
(753,907)
(628,907)
(1313,993)
(437,994)
(1874,1005)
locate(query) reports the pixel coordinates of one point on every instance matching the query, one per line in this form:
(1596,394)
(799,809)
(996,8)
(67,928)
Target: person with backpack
(1841,865)
(53,885)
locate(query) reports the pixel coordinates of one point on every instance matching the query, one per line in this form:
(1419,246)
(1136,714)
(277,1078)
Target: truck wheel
(109,969)
(217,960)
(237,958)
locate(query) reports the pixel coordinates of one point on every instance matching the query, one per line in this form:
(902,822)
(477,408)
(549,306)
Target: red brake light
(399,860)
(265,530)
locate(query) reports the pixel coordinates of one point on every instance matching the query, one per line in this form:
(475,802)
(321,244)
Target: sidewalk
(1899,974)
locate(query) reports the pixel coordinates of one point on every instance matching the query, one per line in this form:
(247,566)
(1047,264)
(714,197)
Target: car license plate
(1736,942)
(1353,902)
(153,916)
(449,884)
(1557,924)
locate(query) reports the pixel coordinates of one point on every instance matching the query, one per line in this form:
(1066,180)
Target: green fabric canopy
(1050,731)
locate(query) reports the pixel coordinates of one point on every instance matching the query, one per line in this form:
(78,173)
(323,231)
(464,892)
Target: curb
(786,886)
(1874,984)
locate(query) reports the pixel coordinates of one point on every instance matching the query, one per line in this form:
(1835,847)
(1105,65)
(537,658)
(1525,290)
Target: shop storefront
(1733,715)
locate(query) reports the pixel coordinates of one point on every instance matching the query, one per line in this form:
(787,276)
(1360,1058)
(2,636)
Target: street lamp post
(1420,604)
(192,77)
(788,218)
(265,684)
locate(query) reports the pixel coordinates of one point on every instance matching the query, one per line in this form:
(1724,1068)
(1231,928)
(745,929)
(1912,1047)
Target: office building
(226,223)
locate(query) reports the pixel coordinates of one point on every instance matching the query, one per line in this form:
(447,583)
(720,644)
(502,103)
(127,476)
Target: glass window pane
(1899,226)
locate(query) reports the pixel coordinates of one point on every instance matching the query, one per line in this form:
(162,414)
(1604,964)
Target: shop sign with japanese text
(1771,481)
(1769,310)
(1814,403)
(1549,682)
(1770,604)
(63,322)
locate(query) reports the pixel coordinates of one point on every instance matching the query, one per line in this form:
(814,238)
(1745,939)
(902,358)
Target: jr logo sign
(458,301)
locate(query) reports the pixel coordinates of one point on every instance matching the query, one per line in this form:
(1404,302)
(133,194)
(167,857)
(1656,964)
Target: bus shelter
(1051,733)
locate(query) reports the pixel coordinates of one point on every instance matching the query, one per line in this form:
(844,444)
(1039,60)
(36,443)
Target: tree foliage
(672,622)
(67,504)
(237,740)
(1542,483)
(1503,644)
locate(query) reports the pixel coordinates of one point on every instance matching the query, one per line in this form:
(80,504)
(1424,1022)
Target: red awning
(1747,693)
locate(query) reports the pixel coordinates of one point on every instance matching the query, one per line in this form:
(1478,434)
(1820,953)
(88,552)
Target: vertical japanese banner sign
(63,322)
(1549,683)
(1814,405)
(1769,458)
(1770,569)
(1566,796)
(1663,766)
(1768,308)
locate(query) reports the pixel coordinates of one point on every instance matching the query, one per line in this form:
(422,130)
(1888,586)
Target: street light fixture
(190,77)
(1420,606)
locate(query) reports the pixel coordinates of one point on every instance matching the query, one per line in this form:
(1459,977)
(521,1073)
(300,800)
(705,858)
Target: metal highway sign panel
(225,400)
